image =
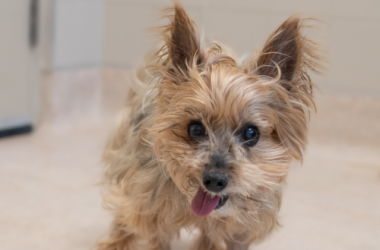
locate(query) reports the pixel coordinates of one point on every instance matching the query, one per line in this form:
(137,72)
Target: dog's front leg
(238,243)
(156,244)
(204,243)
(237,246)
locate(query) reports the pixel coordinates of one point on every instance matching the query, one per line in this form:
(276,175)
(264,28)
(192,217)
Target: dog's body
(205,143)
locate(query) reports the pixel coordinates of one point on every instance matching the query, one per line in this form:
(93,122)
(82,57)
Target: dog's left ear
(183,43)
(288,55)
(286,59)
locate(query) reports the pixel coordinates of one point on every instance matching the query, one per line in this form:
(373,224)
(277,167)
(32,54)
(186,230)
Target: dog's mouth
(222,201)
(203,203)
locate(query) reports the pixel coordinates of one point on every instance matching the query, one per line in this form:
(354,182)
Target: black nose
(215,181)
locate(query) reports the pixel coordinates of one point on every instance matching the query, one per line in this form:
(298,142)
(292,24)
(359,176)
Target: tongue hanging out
(202,204)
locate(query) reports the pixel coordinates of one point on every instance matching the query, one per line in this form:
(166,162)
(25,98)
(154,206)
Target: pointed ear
(288,56)
(183,43)
(287,53)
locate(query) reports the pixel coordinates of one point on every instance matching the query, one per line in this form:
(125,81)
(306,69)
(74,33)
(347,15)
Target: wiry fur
(153,170)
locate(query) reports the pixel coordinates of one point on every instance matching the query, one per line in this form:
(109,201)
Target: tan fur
(153,170)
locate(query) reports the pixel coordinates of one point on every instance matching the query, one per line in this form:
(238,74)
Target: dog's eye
(196,130)
(251,135)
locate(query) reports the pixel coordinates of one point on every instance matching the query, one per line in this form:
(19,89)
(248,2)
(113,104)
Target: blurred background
(64,67)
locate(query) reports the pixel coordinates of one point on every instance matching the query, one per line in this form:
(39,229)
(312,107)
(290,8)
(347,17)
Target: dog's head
(227,133)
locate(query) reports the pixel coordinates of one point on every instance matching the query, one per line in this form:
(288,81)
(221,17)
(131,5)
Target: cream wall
(350,30)
(77,33)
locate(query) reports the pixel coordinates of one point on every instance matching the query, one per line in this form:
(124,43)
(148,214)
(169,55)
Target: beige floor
(49,198)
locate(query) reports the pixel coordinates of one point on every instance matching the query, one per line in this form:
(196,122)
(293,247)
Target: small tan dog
(206,143)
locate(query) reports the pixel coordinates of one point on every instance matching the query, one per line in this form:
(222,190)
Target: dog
(205,143)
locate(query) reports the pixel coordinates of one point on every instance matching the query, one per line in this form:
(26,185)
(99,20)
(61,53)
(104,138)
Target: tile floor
(50,198)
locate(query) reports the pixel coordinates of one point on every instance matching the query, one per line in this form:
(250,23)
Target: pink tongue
(203,204)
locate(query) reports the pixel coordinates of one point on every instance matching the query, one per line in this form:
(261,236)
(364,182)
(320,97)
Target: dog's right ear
(183,43)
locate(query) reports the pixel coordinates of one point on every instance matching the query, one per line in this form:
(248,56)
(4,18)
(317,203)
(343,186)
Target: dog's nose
(215,181)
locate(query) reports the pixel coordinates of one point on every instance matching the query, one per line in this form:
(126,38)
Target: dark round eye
(251,135)
(196,130)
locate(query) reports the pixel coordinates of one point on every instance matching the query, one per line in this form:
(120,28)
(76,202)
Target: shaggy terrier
(206,143)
